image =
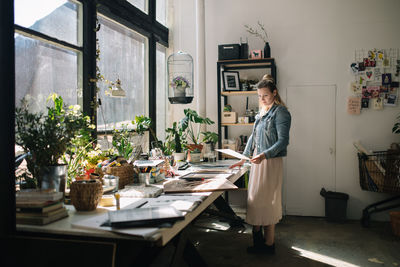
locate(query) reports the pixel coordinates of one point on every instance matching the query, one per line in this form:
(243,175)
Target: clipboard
(233,153)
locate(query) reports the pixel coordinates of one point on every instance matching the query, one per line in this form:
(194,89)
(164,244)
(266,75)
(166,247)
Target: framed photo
(231,80)
(256,54)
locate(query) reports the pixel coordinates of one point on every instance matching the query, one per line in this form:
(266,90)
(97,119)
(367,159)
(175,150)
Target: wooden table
(158,239)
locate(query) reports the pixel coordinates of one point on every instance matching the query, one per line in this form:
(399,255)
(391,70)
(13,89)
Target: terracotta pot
(193,147)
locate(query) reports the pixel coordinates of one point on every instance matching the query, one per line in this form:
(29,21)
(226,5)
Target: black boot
(258,241)
(259,246)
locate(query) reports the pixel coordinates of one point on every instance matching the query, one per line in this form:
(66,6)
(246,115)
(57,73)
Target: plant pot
(194,146)
(195,157)
(86,195)
(179,91)
(179,156)
(54,177)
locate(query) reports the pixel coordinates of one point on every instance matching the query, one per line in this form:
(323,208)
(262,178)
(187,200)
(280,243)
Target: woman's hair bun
(268,78)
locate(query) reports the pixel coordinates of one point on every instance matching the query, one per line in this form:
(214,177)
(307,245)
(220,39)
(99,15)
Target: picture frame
(231,80)
(256,54)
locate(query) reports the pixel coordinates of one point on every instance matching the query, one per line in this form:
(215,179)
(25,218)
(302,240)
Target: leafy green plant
(48,136)
(210,137)
(143,124)
(176,138)
(121,140)
(191,124)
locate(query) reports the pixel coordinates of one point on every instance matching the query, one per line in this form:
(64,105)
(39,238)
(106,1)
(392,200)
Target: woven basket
(86,195)
(124,172)
(395,222)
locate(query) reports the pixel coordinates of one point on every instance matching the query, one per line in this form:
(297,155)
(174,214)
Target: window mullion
(45,38)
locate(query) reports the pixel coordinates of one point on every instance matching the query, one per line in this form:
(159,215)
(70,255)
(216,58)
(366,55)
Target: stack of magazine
(39,207)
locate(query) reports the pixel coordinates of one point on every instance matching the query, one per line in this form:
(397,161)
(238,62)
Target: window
(123,56)
(141,4)
(161,11)
(161,92)
(48,51)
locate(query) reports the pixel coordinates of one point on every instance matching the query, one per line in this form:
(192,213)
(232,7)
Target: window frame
(118,10)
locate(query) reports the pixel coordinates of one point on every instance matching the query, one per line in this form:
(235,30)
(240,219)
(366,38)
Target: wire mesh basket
(380,172)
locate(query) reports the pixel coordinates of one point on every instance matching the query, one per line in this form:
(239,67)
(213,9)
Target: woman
(267,144)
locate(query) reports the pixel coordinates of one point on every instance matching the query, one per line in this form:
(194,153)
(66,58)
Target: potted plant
(176,141)
(122,141)
(179,83)
(191,124)
(47,137)
(210,139)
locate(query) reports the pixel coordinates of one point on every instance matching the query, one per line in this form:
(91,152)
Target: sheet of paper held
(233,153)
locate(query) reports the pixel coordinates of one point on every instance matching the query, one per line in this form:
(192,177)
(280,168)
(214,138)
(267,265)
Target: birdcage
(180,78)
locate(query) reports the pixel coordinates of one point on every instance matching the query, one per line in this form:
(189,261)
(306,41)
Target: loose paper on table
(233,153)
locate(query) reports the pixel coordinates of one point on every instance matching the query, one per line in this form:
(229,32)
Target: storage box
(229,117)
(228,51)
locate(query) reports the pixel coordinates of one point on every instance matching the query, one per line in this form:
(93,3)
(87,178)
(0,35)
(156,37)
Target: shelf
(239,93)
(237,124)
(252,63)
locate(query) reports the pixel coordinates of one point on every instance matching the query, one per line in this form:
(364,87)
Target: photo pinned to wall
(361,80)
(384,89)
(377,103)
(355,88)
(354,67)
(376,77)
(369,74)
(390,99)
(364,102)
(354,105)
(386,79)
(377,74)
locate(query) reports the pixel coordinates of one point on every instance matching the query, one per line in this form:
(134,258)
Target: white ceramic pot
(179,156)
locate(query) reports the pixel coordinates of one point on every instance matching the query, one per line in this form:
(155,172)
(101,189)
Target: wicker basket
(124,172)
(395,222)
(85,195)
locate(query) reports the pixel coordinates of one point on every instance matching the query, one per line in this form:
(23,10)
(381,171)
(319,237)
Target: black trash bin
(335,205)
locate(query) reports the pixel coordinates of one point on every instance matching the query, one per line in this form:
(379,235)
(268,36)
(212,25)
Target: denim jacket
(272,133)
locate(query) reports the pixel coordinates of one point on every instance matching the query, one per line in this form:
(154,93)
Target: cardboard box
(229,117)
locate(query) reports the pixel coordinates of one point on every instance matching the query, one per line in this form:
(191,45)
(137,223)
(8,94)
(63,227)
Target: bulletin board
(376,79)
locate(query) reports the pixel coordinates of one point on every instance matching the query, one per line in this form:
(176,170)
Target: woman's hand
(237,164)
(257,159)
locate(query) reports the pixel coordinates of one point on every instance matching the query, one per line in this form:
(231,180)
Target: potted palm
(191,124)
(47,137)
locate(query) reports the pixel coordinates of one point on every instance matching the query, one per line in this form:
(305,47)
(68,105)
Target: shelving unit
(223,96)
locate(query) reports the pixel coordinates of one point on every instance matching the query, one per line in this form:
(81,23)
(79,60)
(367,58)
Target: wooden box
(229,117)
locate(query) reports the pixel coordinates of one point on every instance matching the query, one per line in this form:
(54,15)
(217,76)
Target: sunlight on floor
(220,226)
(323,258)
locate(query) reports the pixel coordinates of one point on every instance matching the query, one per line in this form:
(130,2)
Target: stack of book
(39,207)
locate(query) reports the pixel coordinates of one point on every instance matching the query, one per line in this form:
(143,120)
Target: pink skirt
(264,199)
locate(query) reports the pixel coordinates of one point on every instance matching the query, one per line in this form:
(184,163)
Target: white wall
(313,42)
